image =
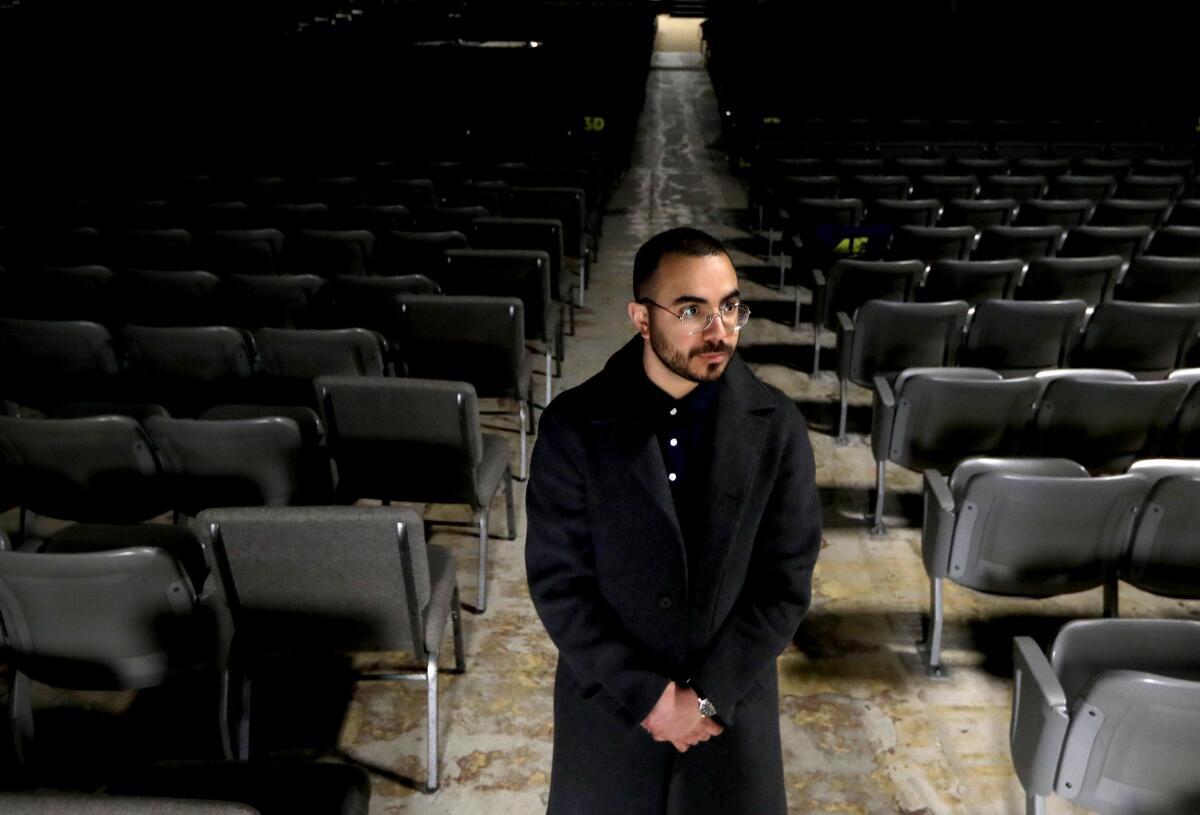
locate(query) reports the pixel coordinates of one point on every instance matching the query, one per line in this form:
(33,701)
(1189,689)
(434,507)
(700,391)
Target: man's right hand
(676,718)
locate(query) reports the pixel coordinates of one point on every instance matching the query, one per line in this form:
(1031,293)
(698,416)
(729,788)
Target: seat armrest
(937,535)
(1039,718)
(845,340)
(881,418)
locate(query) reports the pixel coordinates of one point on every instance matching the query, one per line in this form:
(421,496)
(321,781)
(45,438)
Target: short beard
(677,363)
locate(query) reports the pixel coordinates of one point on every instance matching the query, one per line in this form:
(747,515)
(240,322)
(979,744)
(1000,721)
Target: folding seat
(100,469)
(474,193)
(1184,438)
(1020,187)
(1026,243)
(978,213)
(1153,165)
(1147,339)
(847,166)
(915,166)
(48,363)
(60,293)
(1064,213)
(210,216)
(153,249)
(1116,166)
(226,252)
(1162,557)
(391,591)
(334,190)
(567,205)
(277,301)
(1151,187)
(971,280)
(883,338)
(374,423)
(145,214)
(811,231)
(1130,212)
(1152,279)
(228,463)
(1049,167)
(932,418)
(1090,279)
(187,369)
(1024,527)
(853,282)
(1109,720)
(1092,187)
(1103,424)
(293,216)
(1176,241)
(128,618)
(164,298)
(906,212)
(511,273)
(406,252)
(290,359)
(413,193)
(537,234)
(980,165)
(1094,241)
(449,219)
(371,302)
(329,253)
(1186,212)
(946,187)
(932,243)
(480,340)
(1018,338)
(378,219)
(873,187)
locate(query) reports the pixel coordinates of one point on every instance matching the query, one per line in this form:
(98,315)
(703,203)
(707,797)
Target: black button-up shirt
(684,429)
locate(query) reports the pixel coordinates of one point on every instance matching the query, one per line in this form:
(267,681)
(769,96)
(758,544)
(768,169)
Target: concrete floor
(864,730)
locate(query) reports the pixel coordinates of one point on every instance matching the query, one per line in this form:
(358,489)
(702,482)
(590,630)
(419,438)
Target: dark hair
(682,240)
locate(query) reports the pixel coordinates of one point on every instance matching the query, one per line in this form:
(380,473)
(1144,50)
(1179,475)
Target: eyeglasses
(696,320)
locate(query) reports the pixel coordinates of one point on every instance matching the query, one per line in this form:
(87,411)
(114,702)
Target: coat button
(664,602)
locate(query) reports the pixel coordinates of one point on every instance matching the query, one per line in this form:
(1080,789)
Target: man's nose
(717,325)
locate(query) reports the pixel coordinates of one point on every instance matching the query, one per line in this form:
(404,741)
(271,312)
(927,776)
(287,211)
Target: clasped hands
(676,718)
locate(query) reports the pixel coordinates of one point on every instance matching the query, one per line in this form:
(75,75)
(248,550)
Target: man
(673,527)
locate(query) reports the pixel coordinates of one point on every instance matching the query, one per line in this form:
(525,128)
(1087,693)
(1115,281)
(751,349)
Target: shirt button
(664,602)
(670,476)
(674,411)
(674,442)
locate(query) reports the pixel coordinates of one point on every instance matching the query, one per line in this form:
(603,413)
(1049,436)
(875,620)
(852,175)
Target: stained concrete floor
(864,730)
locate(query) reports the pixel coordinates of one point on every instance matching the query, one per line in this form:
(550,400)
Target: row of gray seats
(1041,527)
(112,468)
(1013,338)
(933,418)
(110,607)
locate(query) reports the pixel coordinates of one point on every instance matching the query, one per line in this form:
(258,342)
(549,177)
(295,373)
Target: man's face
(680,282)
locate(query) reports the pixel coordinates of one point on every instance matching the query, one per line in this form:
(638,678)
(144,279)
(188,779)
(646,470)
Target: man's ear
(639,314)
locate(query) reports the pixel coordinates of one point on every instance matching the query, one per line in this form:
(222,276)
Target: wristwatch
(707,708)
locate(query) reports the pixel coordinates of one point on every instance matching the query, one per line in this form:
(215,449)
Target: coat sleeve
(778,585)
(559,563)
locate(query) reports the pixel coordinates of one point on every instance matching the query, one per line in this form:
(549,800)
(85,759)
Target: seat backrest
(853,282)
(1152,279)
(502,273)
(1131,212)
(227,463)
(904,212)
(97,620)
(99,468)
(541,234)
(932,243)
(978,213)
(1091,187)
(1146,339)
(1064,212)
(1093,241)
(373,423)
(1186,212)
(568,205)
(1039,536)
(971,280)
(480,340)
(309,353)
(329,252)
(372,302)
(240,251)
(942,417)
(277,301)
(946,187)
(1151,186)
(1024,242)
(1085,649)
(44,361)
(1020,187)
(320,579)
(1090,279)
(406,252)
(1104,425)
(1163,557)
(1016,337)
(1176,241)
(171,298)
(201,354)
(890,337)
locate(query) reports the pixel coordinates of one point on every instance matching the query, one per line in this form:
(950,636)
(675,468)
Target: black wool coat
(607,565)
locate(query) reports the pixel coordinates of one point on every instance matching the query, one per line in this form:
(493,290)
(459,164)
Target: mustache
(717,347)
